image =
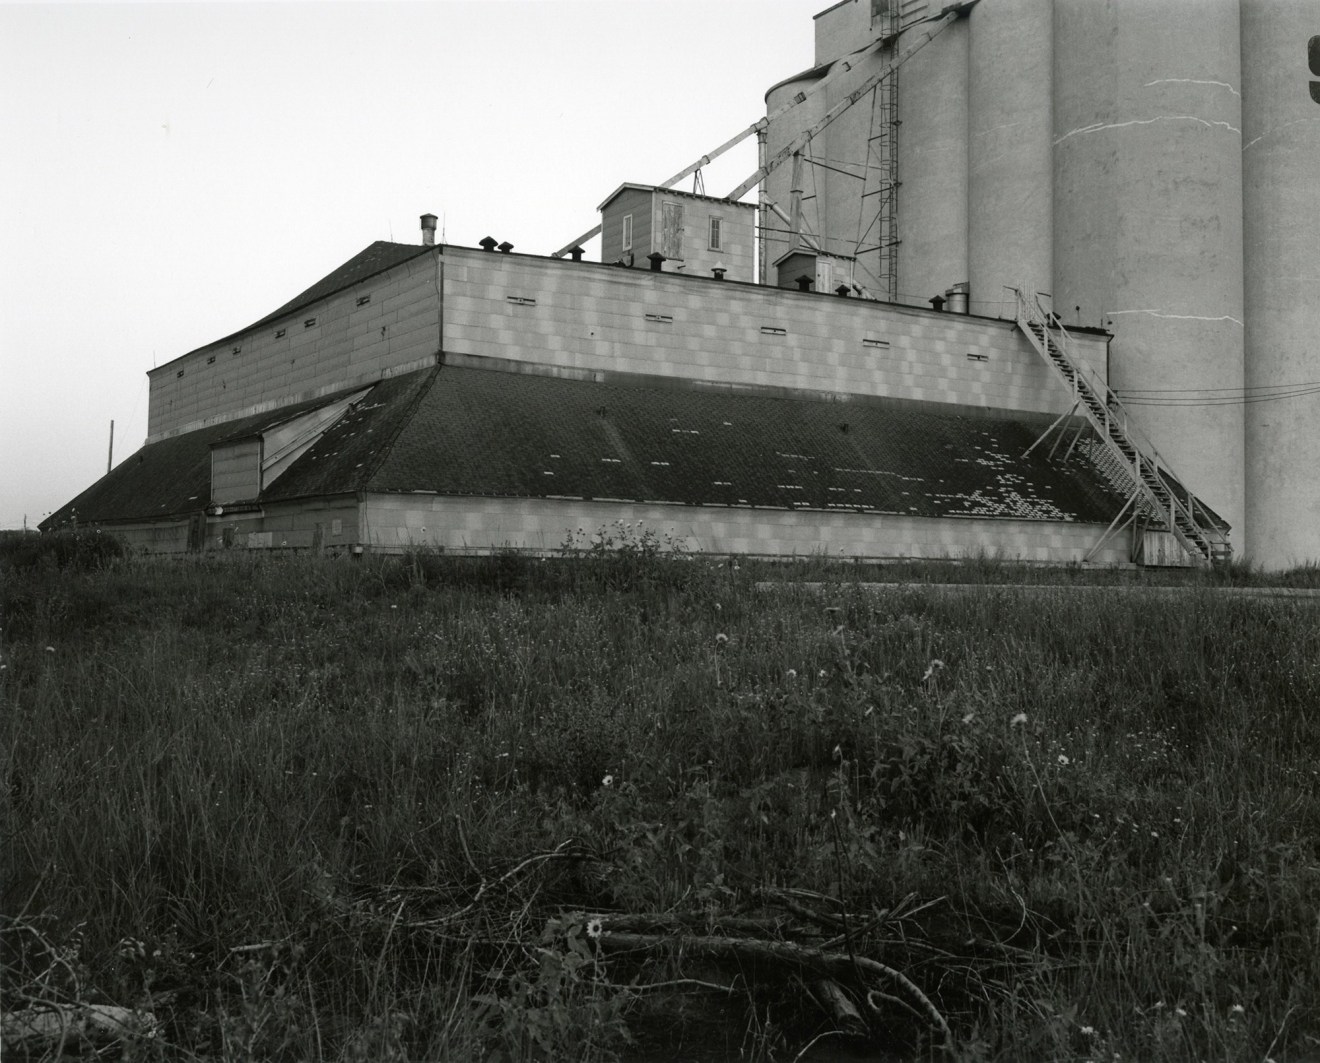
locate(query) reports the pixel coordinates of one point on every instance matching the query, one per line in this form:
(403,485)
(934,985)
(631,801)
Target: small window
(627,232)
(661,319)
(279,333)
(178,374)
(882,344)
(363,300)
(235,349)
(309,322)
(773,330)
(521,300)
(211,360)
(715,234)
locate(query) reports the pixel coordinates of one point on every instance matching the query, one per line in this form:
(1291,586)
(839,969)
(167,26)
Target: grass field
(629,807)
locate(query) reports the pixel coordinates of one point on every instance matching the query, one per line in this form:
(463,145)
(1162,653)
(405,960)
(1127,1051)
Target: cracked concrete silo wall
(1281,209)
(1148,219)
(1010,161)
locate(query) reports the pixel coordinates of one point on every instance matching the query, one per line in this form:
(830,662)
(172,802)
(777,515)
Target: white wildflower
(607,781)
(1063,761)
(1087,1031)
(932,668)
(593,928)
(969,717)
(1237,1009)
(791,673)
(1018,720)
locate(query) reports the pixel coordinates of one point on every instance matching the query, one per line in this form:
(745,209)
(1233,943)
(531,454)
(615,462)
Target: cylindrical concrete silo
(932,166)
(778,184)
(1010,161)
(1281,211)
(1147,218)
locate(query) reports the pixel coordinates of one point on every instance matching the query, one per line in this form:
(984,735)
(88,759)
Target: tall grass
(302,807)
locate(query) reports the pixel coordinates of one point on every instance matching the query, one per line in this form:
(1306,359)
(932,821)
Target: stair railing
(1198,538)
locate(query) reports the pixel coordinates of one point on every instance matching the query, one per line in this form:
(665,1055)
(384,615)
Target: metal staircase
(1157,498)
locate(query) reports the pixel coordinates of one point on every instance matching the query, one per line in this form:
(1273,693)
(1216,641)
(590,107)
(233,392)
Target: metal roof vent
(505,247)
(804,282)
(719,270)
(488,243)
(575,253)
(842,291)
(655,258)
(428,229)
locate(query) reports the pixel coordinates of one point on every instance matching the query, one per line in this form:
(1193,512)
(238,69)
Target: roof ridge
(408,414)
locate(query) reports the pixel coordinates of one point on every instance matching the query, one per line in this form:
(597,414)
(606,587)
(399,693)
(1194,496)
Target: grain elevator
(1150,167)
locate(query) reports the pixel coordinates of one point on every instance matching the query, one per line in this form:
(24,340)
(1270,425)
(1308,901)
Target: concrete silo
(1010,220)
(1281,210)
(1147,218)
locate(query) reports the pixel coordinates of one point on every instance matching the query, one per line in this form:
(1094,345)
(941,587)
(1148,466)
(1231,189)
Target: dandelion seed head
(791,673)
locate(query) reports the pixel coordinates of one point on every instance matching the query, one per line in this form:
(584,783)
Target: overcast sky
(172,172)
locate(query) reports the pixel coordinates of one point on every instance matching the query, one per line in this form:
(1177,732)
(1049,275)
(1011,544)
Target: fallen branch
(72,1024)
(827,965)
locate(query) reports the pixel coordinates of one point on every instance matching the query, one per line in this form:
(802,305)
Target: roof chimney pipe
(428,229)
(576,252)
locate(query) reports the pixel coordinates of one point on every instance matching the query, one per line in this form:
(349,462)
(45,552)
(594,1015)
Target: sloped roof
(460,430)
(483,432)
(172,477)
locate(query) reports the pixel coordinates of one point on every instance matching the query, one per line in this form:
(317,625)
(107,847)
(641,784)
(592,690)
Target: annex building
(866,362)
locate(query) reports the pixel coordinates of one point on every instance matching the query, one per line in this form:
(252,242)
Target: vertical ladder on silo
(1157,492)
(879,201)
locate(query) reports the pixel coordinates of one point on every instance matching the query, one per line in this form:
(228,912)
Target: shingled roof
(461,430)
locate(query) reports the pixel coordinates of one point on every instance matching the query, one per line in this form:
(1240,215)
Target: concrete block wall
(329,345)
(599,318)
(394,523)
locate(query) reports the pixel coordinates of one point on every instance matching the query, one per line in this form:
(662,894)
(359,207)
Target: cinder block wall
(331,344)
(603,318)
(394,523)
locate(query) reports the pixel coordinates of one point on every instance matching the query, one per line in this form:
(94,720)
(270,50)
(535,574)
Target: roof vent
(506,247)
(575,253)
(719,270)
(655,258)
(842,291)
(937,302)
(428,229)
(488,243)
(958,298)
(804,283)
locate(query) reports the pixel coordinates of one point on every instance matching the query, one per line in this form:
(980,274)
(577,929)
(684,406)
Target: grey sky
(172,172)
